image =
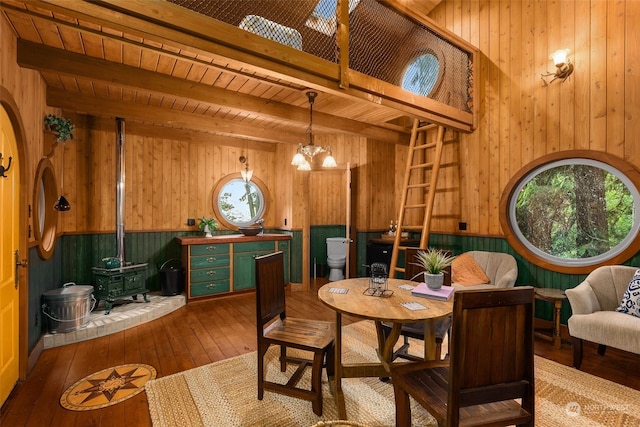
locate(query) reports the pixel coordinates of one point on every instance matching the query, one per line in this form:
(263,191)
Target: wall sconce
(246,173)
(311,149)
(564,67)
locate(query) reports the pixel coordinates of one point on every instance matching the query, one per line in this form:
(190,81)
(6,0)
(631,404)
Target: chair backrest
(609,283)
(412,271)
(270,289)
(491,349)
(501,268)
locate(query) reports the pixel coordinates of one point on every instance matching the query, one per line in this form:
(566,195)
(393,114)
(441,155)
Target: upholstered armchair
(594,316)
(500,270)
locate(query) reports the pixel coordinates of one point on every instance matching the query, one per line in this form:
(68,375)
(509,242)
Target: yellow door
(9,205)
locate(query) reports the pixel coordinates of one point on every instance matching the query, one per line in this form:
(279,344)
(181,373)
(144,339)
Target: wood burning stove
(115,283)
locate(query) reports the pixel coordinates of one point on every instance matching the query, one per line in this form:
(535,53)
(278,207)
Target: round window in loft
(422,75)
(237,203)
(573,211)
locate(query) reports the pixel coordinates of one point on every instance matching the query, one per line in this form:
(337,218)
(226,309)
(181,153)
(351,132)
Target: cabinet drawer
(209,274)
(254,246)
(213,248)
(209,261)
(283,245)
(208,288)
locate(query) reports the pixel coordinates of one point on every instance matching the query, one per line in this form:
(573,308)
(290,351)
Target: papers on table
(413,305)
(406,287)
(338,290)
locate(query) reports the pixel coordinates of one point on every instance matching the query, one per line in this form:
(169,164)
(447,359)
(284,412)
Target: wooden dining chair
(416,330)
(275,328)
(490,366)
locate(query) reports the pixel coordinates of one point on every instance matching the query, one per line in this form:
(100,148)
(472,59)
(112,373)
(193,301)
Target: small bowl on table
(250,230)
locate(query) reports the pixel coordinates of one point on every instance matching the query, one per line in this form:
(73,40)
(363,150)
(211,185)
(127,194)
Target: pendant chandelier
(310,150)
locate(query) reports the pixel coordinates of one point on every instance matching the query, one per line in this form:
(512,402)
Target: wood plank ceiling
(95,66)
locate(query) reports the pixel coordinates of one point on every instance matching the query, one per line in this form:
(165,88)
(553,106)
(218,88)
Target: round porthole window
(573,211)
(422,74)
(237,203)
(45,216)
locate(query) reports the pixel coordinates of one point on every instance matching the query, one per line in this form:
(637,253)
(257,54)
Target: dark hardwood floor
(194,335)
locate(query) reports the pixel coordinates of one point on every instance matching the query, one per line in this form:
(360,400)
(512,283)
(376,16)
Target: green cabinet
(227,264)
(208,271)
(244,266)
(283,246)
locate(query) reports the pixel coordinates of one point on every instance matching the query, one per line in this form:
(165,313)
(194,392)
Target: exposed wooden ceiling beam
(43,58)
(103,107)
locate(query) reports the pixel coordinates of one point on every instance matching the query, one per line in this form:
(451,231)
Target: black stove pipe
(120,190)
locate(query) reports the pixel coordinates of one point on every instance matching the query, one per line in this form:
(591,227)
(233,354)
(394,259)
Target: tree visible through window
(240,203)
(422,75)
(575,211)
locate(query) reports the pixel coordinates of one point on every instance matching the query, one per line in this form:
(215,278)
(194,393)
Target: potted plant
(433,262)
(62,127)
(207,225)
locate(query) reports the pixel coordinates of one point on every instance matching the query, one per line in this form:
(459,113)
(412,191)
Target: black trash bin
(171,277)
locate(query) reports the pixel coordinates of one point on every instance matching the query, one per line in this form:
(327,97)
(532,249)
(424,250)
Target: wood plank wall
(170,176)
(596,108)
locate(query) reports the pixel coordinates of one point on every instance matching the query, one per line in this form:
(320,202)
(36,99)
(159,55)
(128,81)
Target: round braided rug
(107,387)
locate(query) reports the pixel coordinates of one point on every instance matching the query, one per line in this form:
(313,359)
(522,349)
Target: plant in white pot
(433,262)
(207,225)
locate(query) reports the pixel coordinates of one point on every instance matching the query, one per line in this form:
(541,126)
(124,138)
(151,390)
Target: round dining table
(394,306)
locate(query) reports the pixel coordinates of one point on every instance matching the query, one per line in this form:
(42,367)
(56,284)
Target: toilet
(336,257)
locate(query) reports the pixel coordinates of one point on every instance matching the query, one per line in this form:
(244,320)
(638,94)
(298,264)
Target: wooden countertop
(390,240)
(230,238)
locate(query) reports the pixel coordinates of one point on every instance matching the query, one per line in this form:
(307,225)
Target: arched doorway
(9,230)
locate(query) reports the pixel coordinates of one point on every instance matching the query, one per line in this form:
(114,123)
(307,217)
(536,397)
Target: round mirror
(572,211)
(45,218)
(237,203)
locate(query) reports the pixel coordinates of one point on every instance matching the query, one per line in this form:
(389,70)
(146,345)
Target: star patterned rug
(107,387)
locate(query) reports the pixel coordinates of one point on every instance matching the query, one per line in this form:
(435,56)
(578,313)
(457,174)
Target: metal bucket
(68,308)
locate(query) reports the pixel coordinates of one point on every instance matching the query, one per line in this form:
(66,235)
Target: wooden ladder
(419,188)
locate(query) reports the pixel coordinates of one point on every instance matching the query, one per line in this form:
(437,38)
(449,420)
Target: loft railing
(374,46)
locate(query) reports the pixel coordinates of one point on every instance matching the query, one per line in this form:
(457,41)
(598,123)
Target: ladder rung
(428,165)
(423,185)
(424,146)
(424,205)
(424,128)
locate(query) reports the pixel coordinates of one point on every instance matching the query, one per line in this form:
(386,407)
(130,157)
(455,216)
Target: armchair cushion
(466,271)
(631,300)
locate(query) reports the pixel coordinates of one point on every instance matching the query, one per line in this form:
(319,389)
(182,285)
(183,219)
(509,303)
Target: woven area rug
(225,394)
(107,387)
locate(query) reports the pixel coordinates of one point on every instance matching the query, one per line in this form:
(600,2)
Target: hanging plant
(62,127)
